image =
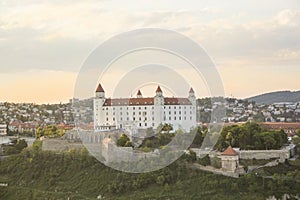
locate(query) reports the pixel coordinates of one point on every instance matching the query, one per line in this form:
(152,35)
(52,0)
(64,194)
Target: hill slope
(276,97)
(76,175)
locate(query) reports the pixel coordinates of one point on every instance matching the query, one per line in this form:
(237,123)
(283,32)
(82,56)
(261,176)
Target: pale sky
(254,44)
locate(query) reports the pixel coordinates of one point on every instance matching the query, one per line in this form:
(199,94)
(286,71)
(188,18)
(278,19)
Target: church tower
(139,94)
(98,103)
(192,97)
(158,107)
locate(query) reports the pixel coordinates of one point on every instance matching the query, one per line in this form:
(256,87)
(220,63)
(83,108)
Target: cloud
(60,35)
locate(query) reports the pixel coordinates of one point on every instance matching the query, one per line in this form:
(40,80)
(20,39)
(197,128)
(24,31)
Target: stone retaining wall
(60,145)
(264,154)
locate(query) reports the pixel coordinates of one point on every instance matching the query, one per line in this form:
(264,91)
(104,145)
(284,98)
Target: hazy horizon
(133,96)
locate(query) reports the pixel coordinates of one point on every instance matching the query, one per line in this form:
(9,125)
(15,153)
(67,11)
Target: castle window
(145,124)
(121,119)
(140,124)
(140,118)
(174,107)
(139,113)
(170,118)
(152,118)
(133,108)
(106,113)
(139,108)
(179,112)
(145,108)
(133,113)
(191,118)
(133,118)
(174,118)
(179,118)
(169,112)
(174,112)
(184,118)
(127,118)
(153,124)
(106,119)
(113,119)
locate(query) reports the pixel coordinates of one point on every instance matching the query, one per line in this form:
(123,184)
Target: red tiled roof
(229,152)
(99,88)
(282,125)
(158,89)
(129,101)
(146,101)
(176,101)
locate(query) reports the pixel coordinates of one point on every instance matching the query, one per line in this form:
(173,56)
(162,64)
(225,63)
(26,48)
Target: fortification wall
(264,154)
(59,145)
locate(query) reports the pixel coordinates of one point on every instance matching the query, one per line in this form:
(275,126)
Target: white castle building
(142,113)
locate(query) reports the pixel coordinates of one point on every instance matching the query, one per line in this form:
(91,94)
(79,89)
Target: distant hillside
(276,97)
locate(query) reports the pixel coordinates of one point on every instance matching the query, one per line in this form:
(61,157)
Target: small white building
(230,160)
(143,112)
(3,129)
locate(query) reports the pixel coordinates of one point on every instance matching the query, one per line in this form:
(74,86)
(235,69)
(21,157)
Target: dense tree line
(49,131)
(251,136)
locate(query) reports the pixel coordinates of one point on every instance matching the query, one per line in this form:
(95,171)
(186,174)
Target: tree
(296,141)
(21,144)
(205,160)
(198,137)
(124,141)
(229,138)
(167,128)
(298,133)
(39,132)
(269,141)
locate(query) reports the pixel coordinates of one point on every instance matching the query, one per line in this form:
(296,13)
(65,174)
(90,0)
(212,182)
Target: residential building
(3,129)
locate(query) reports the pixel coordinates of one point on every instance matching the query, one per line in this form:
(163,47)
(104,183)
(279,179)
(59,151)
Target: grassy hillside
(276,97)
(45,175)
